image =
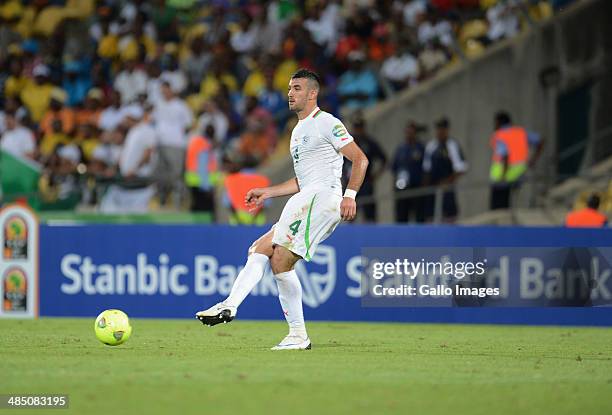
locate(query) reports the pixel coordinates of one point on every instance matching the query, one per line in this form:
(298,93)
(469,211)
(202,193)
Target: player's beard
(296,107)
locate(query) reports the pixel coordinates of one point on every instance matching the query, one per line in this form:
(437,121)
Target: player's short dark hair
(307,74)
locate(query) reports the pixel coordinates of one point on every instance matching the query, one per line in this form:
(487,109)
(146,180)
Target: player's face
(298,94)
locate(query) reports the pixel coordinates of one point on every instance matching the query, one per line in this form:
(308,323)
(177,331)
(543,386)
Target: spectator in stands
(414,12)
(131,82)
(408,173)
(286,67)
(587,217)
(253,109)
(165,19)
(105,157)
(360,22)
(111,116)
(217,29)
(52,139)
(171,72)
(90,112)
(503,20)
(244,39)
(431,58)
(18,140)
(76,83)
(378,163)
(58,111)
(59,184)
(31,58)
(225,105)
(380,45)
(358,87)
(11,105)
(37,95)
(401,69)
(259,138)
(106,36)
(270,34)
(322,23)
(154,81)
(274,101)
(172,118)
(434,28)
(214,117)
(16,82)
(99,81)
(9,38)
(256,80)
(216,43)
(511,158)
(136,166)
(443,163)
(197,63)
(135,44)
(132,10)
(86,138)
(211,84)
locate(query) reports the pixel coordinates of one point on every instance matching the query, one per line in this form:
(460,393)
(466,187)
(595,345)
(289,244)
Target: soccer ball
(112,327)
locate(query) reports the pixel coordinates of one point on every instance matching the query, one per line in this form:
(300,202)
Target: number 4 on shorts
(295,226)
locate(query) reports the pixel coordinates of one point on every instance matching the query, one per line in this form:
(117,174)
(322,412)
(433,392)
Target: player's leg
(282,263)
(307,221)
(258,257)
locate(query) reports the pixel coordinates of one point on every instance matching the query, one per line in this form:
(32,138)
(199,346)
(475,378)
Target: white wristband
(350,193)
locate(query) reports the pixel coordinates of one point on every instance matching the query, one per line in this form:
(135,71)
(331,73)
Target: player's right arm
(255,197)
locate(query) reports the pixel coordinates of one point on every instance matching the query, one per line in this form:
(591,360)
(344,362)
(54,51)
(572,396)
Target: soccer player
(318,143)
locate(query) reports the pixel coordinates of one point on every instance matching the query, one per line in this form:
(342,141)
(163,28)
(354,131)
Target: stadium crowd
(117,92)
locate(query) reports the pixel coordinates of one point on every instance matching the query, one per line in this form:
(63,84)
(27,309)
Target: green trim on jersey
(307,232)
(317,114)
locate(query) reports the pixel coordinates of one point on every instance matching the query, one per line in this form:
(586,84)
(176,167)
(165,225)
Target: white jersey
(139,139)
(315,149)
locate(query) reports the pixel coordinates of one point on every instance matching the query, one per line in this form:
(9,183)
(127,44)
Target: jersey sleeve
(335,132)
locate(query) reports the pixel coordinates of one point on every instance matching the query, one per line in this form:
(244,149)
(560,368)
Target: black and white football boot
(219,313)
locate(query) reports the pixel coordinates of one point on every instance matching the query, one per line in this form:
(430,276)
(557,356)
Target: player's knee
(279,262)
(275,264)
(251,248)
(261,246)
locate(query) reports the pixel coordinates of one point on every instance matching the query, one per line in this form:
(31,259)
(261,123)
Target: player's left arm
(348,207)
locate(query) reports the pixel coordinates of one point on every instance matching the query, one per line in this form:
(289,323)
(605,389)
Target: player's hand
(348,208)
(255,198)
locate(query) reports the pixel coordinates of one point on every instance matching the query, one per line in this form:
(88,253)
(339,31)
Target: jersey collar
(314,113)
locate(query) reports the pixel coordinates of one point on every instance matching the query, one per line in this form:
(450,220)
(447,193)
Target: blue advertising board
(172,271)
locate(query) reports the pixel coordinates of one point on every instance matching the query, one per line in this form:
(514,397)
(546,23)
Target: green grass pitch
(181,367)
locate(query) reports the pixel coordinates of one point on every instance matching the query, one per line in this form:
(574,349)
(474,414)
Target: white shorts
(308,218)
